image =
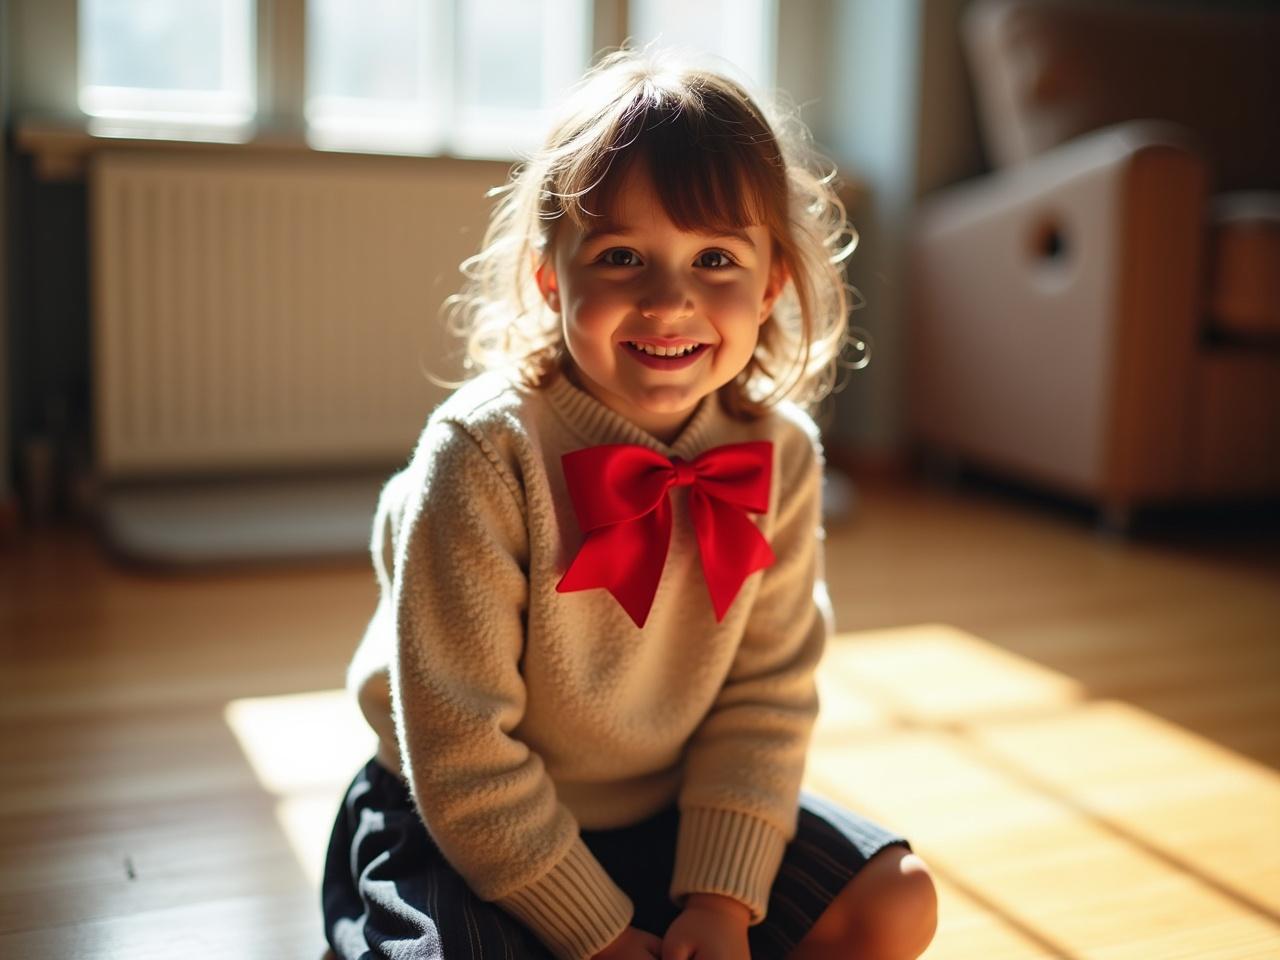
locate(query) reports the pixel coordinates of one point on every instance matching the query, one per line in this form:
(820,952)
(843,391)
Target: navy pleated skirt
(389,892)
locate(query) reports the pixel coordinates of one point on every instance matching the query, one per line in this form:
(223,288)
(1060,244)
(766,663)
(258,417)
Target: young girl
(591,669)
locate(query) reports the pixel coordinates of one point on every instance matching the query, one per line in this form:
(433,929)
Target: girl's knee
(897,909)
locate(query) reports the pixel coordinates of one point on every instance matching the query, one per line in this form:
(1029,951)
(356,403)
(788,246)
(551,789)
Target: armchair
(1101,314)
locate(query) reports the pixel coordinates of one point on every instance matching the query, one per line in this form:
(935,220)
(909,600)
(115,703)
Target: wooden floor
(1080,734)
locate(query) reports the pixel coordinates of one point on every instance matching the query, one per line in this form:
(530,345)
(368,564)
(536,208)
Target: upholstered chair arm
(1055,310)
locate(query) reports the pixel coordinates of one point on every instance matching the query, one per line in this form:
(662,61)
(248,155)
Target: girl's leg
(888,911)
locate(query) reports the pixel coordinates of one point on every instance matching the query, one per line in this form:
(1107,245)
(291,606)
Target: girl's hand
(632,944)
(710,928)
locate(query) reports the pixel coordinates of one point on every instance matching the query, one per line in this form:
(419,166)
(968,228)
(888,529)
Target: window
(370,76)
(470,78)
(738,31)
(465,77)
(515,62)
(177,61)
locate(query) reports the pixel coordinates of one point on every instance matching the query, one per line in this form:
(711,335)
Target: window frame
(278,69)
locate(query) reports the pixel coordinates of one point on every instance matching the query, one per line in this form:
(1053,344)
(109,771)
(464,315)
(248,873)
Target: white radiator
(269,314)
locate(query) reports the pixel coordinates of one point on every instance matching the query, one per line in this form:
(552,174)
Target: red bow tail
(730,546)
(620,557)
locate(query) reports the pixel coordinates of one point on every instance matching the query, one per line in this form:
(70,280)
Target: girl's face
(655,318)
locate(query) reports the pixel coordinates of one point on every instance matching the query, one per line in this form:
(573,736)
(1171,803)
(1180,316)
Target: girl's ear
(545,275)
(779,275)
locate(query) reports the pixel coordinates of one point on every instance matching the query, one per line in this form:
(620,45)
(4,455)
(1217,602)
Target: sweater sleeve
(745,762)
(460,595)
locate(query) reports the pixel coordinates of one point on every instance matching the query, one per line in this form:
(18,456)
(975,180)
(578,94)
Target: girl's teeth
(655,351)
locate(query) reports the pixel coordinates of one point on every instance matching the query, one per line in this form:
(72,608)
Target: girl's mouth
(665,358)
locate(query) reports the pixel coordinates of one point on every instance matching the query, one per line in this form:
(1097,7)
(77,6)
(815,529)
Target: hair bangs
(715,167)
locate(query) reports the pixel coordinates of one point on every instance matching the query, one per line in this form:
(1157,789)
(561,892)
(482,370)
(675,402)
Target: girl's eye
(714,259)
(618,257)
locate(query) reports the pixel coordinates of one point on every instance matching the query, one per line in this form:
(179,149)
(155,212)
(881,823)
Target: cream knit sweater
(519,715)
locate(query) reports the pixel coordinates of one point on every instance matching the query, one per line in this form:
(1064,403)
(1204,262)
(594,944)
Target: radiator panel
(264,314)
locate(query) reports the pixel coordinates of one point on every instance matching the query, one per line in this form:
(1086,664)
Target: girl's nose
(665,300)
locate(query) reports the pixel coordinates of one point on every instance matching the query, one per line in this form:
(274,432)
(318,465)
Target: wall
(6,485)
(871,129)
(948,147)
(47,324)
(44,61)
(899,117)
(804,57)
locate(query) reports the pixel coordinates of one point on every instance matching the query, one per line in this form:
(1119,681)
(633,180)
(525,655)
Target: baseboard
(239,521)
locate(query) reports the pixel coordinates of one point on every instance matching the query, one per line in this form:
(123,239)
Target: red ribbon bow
(619,493)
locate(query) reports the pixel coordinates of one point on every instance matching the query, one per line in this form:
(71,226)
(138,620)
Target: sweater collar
(595,423)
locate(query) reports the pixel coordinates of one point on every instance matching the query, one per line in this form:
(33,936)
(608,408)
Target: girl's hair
(717,163)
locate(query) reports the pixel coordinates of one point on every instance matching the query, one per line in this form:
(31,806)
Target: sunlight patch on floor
(303,740)
(972,749)
(1116,816)
(934,673)
(304,749)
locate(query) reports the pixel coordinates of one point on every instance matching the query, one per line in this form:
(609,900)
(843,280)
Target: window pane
(370,75)
(174,59)
(501,56)
(468,77)
(743,32)
(372,49)
(515,61)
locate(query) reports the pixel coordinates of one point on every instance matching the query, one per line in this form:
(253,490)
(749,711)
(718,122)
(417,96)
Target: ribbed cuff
(575,909)
(733,854)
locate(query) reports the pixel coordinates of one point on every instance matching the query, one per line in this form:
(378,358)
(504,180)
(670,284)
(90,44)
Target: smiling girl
(591,669)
